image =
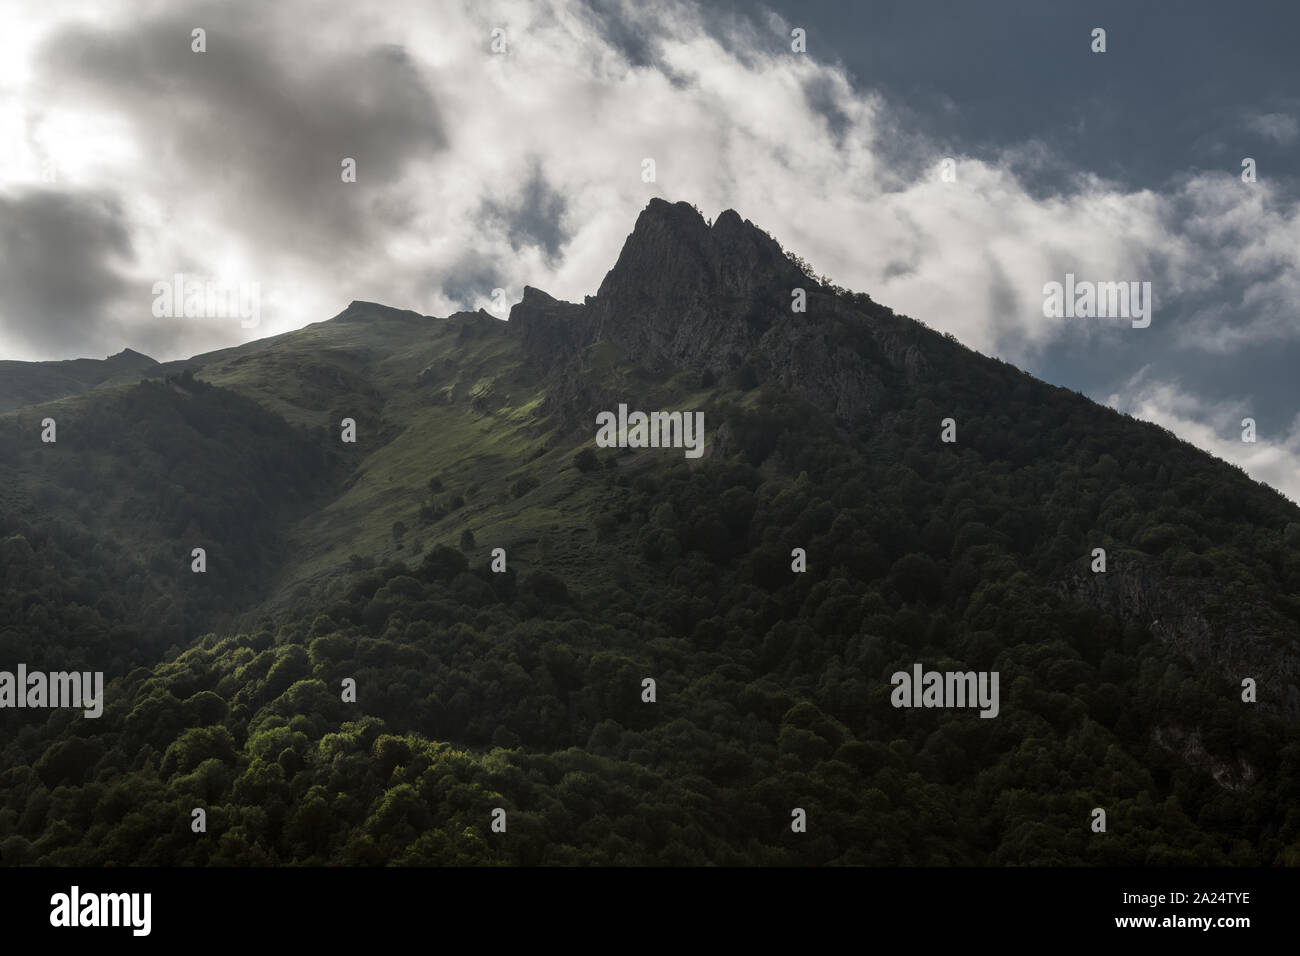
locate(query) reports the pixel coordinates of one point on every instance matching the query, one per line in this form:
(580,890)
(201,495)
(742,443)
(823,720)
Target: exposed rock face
(1188,746)
(686,295)
(551,327)
(1236,641)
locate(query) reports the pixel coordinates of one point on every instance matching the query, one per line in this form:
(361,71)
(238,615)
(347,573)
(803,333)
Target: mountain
(500,587)
(27,383)
(718,300)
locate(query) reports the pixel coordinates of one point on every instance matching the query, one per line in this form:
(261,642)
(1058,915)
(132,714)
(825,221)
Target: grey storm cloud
(60,255)
(469,280)
(259,124)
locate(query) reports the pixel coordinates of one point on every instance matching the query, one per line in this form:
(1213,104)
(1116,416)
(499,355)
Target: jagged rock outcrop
(684,293)
(687,295)
(550,326)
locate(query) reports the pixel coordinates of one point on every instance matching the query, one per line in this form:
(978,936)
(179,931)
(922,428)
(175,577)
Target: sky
(503,144)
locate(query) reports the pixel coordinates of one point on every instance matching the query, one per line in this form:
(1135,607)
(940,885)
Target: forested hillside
(523,688)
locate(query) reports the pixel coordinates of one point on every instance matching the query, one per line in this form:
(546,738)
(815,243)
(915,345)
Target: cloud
(480,169)
(60,270)
(1279,127)
(527,164)
(263,118)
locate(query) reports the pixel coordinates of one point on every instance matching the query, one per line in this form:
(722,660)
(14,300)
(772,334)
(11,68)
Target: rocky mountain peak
(673,257)
(682,289)
(716,298)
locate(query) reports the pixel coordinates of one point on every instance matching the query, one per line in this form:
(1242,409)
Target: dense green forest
(523,690)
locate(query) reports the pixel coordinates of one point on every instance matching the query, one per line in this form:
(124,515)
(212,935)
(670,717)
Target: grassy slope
(447,398)
(451,398)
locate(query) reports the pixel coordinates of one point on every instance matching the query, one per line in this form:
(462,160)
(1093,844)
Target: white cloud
(728,123)
(1279,127)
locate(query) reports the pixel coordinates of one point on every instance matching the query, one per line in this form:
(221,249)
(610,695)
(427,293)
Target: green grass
(452,398)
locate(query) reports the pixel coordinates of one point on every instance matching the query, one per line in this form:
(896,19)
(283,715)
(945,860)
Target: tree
(524,485)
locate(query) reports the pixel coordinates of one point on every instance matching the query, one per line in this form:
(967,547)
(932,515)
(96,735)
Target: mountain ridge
(26,383)
(499,588)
